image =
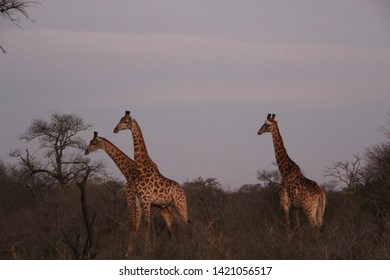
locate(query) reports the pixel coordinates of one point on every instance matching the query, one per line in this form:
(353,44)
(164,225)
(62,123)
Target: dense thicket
(245,224)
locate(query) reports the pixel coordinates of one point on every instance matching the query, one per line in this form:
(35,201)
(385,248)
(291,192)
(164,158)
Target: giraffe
(129,169)
(152,187)
(296,191)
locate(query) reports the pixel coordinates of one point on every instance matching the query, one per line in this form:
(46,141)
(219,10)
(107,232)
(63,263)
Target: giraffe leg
(321,211)
(135,221)
(130,197)
(296,217)
(138,213)
(310,211)
(146,212)
(286,212)
(180,202)
(285,203)
(167,215)
(318,214)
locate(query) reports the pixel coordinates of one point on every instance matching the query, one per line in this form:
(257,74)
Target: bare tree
(269,178)
(60,146)
(62,164)
(13,10)
(349,173)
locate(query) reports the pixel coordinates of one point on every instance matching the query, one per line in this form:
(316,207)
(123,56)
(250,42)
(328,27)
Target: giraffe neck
(285,164)
(141,155)
(125,164)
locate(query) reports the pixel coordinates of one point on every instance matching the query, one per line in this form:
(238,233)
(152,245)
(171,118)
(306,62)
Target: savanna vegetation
(57,204)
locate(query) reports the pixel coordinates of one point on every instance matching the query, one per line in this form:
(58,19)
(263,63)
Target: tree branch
(10,7)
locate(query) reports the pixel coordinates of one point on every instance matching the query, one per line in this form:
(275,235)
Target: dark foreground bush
(225,225)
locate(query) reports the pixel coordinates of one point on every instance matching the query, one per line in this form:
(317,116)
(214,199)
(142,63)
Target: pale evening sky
(200,78)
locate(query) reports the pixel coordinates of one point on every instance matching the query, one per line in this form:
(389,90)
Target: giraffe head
(268,124)
(94,144)
(124,123)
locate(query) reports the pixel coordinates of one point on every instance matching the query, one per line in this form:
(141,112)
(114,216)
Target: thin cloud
(158,69)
